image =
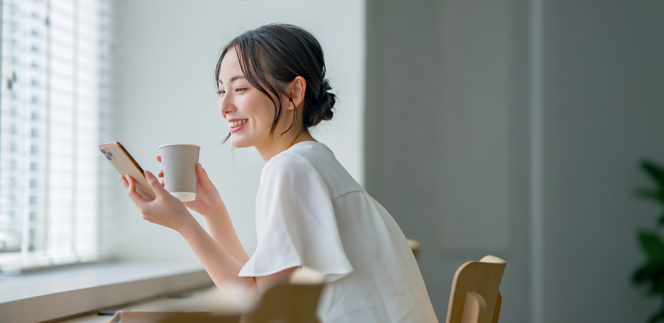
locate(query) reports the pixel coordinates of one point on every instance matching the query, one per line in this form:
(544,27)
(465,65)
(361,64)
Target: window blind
(54,67)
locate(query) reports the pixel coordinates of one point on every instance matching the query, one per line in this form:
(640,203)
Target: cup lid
(179,145)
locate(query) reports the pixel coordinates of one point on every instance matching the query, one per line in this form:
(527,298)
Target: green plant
(651,273)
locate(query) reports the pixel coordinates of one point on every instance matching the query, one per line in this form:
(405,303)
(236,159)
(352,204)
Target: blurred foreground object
(651,242)
(475,296)
(292,302)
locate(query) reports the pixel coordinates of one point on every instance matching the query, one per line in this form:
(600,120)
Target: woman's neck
(279,144)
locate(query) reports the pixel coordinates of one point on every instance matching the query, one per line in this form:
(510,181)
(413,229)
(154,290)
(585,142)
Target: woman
(309,210)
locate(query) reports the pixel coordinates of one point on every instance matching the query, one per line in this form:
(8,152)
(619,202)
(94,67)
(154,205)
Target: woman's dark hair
(271,56)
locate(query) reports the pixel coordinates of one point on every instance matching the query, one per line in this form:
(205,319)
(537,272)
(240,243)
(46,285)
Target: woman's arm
(168,211)
(209,204)
(219,263)
(220,227)
(211,254)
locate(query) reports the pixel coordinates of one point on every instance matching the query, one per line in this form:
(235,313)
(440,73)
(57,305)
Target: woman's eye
(220,92)
(240,89)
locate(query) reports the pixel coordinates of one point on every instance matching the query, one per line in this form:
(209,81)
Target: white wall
(603,110)
(449,154)
(446,153)
(165,54)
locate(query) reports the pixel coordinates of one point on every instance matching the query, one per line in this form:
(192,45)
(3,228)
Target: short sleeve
(295,222)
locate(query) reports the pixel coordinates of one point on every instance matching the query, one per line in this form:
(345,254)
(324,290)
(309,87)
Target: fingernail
(148,174)
(120,179)
(127,178)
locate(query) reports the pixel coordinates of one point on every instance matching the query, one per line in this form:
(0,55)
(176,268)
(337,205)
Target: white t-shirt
(311,212)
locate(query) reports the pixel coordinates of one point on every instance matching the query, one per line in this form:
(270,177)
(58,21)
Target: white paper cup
(179,165)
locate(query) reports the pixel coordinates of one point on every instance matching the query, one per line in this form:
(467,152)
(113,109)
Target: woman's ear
(296,91)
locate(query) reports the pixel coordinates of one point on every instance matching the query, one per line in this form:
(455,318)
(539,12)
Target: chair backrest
(475,295)
(294,302)
(286,303)
(281,303)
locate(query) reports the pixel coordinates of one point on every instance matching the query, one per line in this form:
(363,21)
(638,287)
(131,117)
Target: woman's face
(248,112)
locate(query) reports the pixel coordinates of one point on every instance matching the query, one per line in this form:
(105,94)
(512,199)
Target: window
(54,68)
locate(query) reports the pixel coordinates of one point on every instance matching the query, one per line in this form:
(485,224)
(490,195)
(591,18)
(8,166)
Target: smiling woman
(309,209)
(282,75)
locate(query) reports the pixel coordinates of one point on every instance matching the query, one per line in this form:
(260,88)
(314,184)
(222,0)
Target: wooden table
(200,300)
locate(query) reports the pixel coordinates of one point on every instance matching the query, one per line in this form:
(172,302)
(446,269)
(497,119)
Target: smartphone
(127,165)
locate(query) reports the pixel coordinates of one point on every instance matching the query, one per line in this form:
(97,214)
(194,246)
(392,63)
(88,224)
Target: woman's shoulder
(311,159)
(290,160)
(305,154)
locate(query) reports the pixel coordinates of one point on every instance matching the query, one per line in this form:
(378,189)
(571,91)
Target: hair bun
(322,109)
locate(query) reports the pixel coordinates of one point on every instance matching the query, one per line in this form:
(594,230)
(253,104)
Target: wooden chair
(292,302)
(295,302)
(475,297)
(415,247)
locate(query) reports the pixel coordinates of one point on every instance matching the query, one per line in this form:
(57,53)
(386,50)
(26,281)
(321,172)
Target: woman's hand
(165,209)
(207,196)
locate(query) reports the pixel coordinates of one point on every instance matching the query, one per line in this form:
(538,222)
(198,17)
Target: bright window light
(54,72)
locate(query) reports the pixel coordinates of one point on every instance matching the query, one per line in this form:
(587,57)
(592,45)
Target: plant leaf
(644,273)
(655,171)
(650,194)
(658,316)
(652,245)
(647,193)
(657,286)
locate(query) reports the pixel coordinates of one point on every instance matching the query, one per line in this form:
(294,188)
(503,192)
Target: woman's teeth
(237,123)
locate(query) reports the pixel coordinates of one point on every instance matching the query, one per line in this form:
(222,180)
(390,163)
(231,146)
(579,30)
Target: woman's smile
(237,124)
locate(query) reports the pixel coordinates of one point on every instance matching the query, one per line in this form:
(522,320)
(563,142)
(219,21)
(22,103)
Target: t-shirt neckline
(301,142)
(291,147)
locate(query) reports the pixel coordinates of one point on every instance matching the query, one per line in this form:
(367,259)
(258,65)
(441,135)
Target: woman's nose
(225,105)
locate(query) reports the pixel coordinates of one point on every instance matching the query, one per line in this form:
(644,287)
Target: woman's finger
(131,192)
(203,177)
(154,183)
(123,181)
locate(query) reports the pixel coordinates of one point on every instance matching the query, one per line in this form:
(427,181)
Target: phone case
(126,165)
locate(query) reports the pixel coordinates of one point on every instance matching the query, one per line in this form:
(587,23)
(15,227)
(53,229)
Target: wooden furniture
(294,301)
(287,303)
(415,247)
(475,297)
(173,317)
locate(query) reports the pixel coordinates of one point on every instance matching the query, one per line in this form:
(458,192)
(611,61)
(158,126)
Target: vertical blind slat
(53,60)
